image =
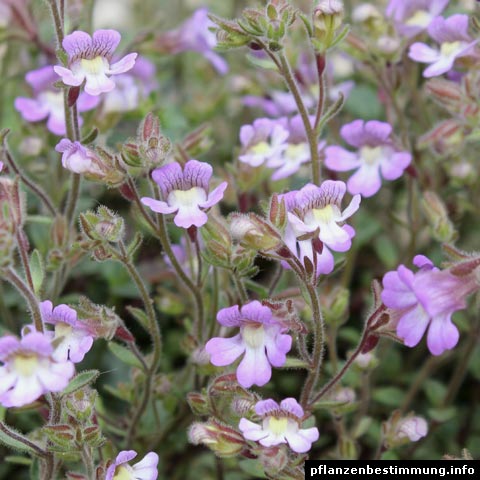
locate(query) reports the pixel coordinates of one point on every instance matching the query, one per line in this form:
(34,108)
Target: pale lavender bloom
(131,87)
(1,166)
(426,300)
(89,59)
(413,428)
(280,424)
(261,339)
(185,192)
(453,40)
(47,102)
(146,469)
(77,158)
(29,369)
(194,35)
(317,211)
(262,141)
(413,16)
(76,337)
(375,153)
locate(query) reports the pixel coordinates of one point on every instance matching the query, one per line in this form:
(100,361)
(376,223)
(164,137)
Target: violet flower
(413,16)
(426,300)
(77,158)
(261,340)
(280,424)
(47,102)
(30,369)
(317,211)
(75,337)
(376,153)
(413,428)
(194,35)
(185,192)
(454,42)
(89,60)
(146,469)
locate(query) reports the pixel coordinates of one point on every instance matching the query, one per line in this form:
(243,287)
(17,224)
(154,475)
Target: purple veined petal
(197,174)
(104,42)
(25,391)
(421,261)
(265,407)
(64,313)
(146,469)
(168,178)
(325,262)
(30,109)
(377,132)
(254,369)
(277,348)
(98,83)
(125,456)
(393,168)
(123,65)
(451,29)
(353,206)
(442,334)
(76,43)
(353,133)
(189,215)
(229,317)
(56,376)
(292,406)
(251,431)
(420,52)
(46,307)
(37,342)
(69,77)
(441,66)
(224,351)
(8,344)
(218,63)
(340,160)
(256,312)
(158,206)
(396,294)
(412,325)
(56,123)
(298,442)
(110,472)
(41,78)
(365,181)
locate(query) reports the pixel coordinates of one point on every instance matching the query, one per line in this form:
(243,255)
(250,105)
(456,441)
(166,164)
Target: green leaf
(435,391)
(363,103)
(37,268)
(124,355)
(81,380)
(253,468)
(17,459)
(293,362)
(442,414)
(15,440)
(140,316)
(390,396)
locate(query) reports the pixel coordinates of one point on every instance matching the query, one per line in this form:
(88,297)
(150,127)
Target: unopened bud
(102,225)
(198,403)
(254,232)
(101,320)
(273,459)
(437,216)
(399,431)
(327,18)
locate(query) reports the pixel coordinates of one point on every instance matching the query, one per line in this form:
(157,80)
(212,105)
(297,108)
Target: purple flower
(262,141)
(89,60)
(426,299)
(261,339)
(47,101)
(413,428)
(194,35)
(30,369)
(376,153)
(75,337)
(146,469)
(454,42)
(131,87)
(1,166)
(413,16)
(317,211)
(185,192)
(77,158)
(280,424)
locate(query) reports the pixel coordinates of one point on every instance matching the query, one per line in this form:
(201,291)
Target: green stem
(318,345)
(57,21)
(326,388)
(287,74)
(20,438)
(22,249)
(29,296)
(240,287)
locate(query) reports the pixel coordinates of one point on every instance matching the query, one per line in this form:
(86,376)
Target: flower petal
(250,430)
(224,351)
(229,316)
(157,205)
(254,369)
(365,181)
(292,406)
(393,167)
(123,65)
(412,325)
(215,195)
(442,334)
(340,160)
(31,110)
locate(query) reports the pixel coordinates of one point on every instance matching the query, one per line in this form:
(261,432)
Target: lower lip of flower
(123,473)
(421,18)
(449,48)
(93,66)
(371,155)
(25,364)
(322,215)
(261,148)
(186,198)
(62,330)
(277,426)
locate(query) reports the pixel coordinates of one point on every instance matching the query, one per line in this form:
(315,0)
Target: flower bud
(102,225)
(198,403)
(223,440)
(327,18)
(254,232)
(437,216)
(102,321)
(273,459)
(153,147)
(399,431)
(335,306)
(81,404)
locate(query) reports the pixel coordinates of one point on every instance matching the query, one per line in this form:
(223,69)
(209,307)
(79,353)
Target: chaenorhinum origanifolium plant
(208,220)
